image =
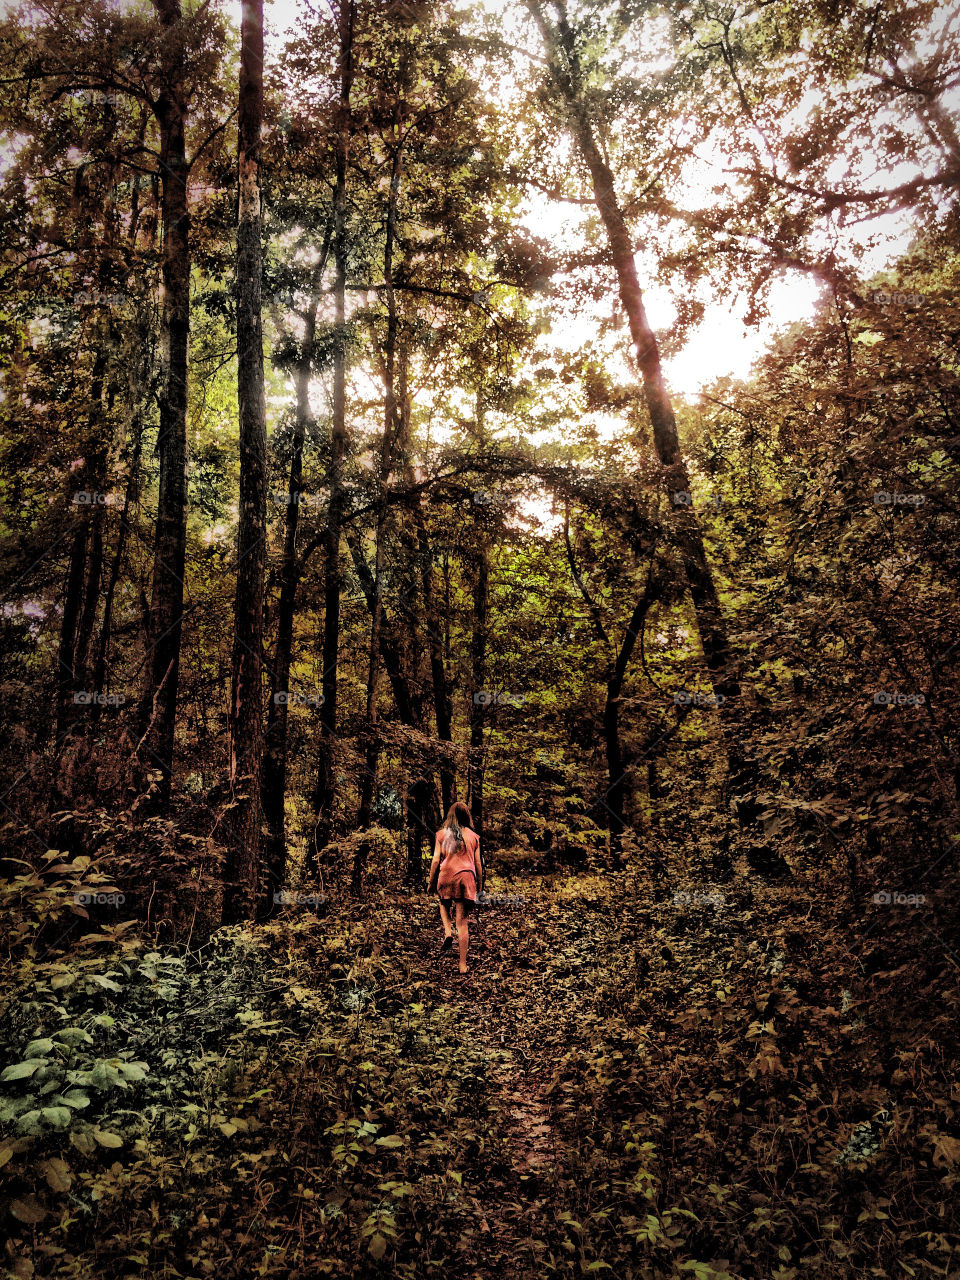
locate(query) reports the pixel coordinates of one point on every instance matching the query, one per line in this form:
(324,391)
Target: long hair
(458,817)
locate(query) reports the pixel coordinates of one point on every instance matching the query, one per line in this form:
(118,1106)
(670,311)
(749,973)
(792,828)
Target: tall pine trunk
(368,781)
(325,791)
(245,828)
(159,702)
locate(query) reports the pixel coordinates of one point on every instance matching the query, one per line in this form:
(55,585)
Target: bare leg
(463,934)
(447,922)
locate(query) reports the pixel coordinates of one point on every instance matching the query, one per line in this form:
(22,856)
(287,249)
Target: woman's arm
(479,866)
(434,867)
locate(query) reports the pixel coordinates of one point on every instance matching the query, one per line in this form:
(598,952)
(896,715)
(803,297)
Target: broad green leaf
(76,1098)
(59,1117)
(107,983)
(20,1070)
(107,1139)
(38,1048)
(73,1035)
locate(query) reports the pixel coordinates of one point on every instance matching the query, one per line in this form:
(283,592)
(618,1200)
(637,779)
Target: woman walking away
(456,873)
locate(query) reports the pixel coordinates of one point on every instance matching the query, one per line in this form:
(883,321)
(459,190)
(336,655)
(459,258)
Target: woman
(456,873)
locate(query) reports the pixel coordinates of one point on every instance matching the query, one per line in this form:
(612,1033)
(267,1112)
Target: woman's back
(457,857)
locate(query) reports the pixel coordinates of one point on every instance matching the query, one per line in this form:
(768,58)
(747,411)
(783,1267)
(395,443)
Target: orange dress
(457,877)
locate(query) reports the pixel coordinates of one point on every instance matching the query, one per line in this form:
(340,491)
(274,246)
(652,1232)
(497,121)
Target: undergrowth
(733,1089)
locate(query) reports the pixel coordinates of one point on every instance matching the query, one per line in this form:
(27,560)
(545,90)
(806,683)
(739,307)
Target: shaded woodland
(343,478)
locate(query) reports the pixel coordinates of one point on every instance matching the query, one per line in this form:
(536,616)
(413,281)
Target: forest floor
(720,1082)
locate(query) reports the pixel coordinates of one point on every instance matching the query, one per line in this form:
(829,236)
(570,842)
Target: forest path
(526,974)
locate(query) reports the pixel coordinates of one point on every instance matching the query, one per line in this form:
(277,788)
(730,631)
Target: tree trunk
(560,44)
(325,792)
(368,780)
(389,642)
(129,498)
(80,602)
(438,672)
(478,670)
(135,372)
(275,754)
(70,618)
(91,595)
(616,766)
(419,826)
(159,703)
(245,828)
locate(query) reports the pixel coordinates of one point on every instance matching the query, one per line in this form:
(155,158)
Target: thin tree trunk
(245,829)
(325,792)
(91,595)
(129,498)
(478,670)
(275,752)
(419,790)
(419,827)
(79,602)
(390,647)
(372,754)
(438,672)
(618,793)
(72,604)
(135,379)
(478,659)
(159,702)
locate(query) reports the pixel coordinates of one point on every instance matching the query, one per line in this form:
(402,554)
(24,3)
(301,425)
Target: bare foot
(464,969)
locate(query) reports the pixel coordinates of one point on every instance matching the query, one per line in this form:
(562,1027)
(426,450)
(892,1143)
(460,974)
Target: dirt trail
(517,1076)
